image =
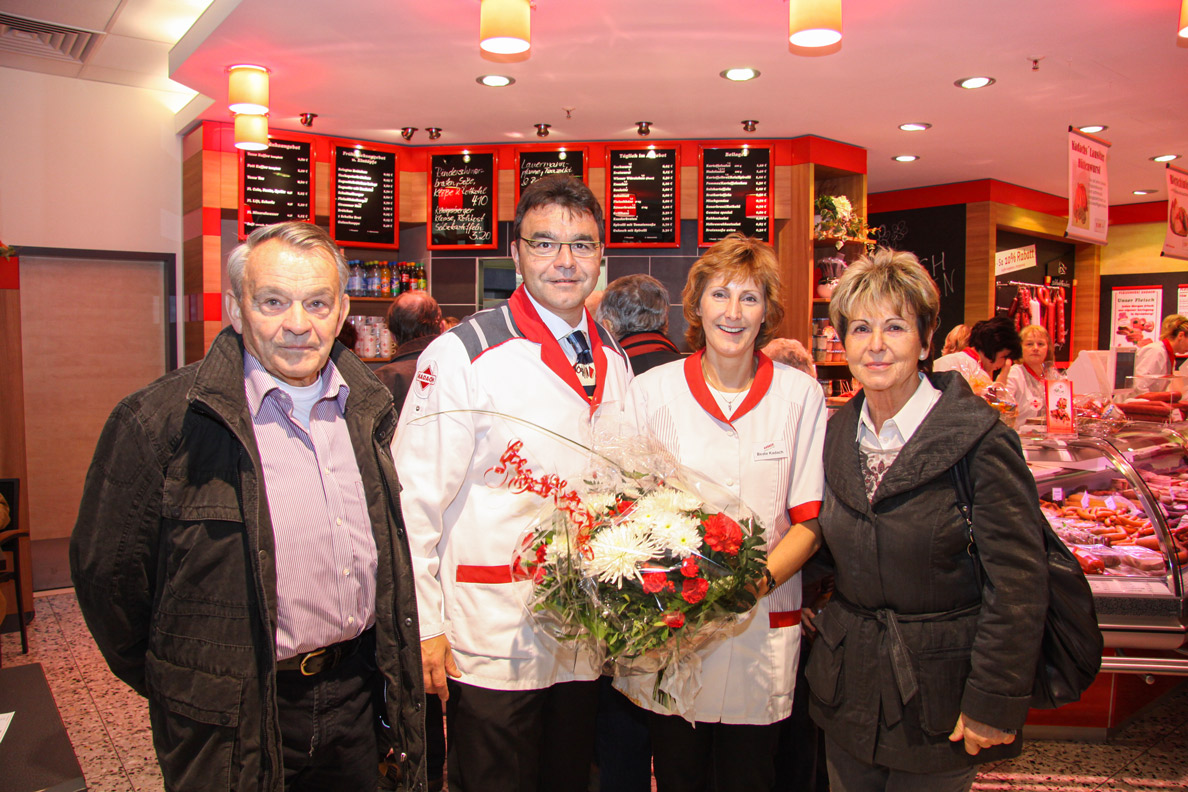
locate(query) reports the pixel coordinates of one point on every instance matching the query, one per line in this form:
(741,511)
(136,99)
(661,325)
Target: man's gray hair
(295,234)
(634,304)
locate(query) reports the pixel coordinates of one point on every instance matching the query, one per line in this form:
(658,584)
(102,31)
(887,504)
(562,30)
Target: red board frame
(608,206)
(701,185)
(447,151)
(288,137)
(398,152)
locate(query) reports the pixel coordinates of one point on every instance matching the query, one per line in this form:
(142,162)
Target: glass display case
(1119,502)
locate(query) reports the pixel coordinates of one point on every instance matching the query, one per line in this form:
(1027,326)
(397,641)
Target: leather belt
(319,661)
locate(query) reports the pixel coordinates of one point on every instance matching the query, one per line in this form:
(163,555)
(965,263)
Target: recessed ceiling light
(494,80)
(1165,157)
(1093,129)
(974,82)
(918,126)
(739,75)
(906,158)
(1145,192)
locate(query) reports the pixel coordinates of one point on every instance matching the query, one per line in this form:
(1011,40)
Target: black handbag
(1070,655)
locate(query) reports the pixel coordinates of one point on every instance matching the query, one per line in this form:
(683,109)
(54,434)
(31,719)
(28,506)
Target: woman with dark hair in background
(993,344)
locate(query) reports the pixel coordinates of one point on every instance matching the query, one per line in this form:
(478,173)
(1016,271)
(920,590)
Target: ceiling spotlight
(562,154)
(542,130)
(645,128)
(495,80)
(970,83)
(749,126)
(307,119)
(1165,158)
(434,132)
(466,155)
(915,126)
(739,75)
(906,158)
(1093,129)
(407,132)
(1145,192)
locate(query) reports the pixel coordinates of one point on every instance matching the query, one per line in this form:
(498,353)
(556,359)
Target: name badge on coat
(772,449)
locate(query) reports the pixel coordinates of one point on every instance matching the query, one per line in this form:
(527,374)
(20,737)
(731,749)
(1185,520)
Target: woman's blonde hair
(956,340)
(887,276)
(1032,330)
(734,259)
(1172,325)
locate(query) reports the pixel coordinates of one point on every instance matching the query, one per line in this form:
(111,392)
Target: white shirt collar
(557,326)
(899,429)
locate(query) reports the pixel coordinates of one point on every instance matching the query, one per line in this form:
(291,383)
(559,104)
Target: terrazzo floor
(109,727)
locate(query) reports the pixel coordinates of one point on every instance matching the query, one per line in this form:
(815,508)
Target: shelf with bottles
(383,281)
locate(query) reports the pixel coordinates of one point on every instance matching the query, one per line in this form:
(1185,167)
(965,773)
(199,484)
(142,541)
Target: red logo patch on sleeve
(425,379)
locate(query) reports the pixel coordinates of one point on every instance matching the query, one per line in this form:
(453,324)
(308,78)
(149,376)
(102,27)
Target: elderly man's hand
(437,661)
(978,735)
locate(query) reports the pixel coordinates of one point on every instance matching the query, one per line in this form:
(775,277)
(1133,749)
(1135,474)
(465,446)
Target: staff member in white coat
(519,710)
(1159,360)
(757,429)
(1027,380)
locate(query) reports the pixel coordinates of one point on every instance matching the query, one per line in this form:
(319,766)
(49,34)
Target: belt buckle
(315,653)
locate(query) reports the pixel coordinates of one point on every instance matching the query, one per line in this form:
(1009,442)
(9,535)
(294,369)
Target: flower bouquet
(646,562)
(836,219)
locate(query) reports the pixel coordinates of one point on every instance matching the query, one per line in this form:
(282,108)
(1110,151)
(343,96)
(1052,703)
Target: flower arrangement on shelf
(837,220)
(637,564)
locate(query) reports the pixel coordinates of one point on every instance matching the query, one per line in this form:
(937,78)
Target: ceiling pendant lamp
(814,24)
(251,132)
(505,26)
(1182,30)
(247,89)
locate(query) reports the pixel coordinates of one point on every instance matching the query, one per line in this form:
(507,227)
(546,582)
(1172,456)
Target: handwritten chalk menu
(533,165)
(364,195)
(462,201)
(275,185)
(735,193)
(642,189)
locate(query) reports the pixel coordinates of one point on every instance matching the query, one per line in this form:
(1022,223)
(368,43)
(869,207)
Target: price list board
(364,192)
(735,193)
(532,165)
(275,185)
(642,187)
(462,198)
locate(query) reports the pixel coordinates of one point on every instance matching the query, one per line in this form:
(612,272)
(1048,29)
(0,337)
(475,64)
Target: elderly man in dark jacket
(635,309)
(414,319)
(201,553)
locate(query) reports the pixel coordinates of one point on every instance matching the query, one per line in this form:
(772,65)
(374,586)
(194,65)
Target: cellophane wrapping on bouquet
(644,561)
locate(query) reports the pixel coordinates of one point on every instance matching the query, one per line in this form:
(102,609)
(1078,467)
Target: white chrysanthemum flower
(599,502)
(617,552)
(561,548)
(676,533)
(667,499)
(842,204)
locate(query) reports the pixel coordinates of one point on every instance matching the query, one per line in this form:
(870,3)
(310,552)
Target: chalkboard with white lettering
(275,185)
(364,213)
(532,165)
(643,186)
(462,201)
(735,193)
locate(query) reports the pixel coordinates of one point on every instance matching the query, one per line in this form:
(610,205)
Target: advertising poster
(1058,411)
(1175,241)
(1011,260)
(1088,188)
(1182,299)
(1135,316)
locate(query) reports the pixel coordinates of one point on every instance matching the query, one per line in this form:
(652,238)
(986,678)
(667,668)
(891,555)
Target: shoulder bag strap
(959,473)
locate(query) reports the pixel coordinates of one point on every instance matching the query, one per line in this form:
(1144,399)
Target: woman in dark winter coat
(920,672)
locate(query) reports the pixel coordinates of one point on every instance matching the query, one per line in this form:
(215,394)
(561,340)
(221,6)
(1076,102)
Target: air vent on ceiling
(45,40)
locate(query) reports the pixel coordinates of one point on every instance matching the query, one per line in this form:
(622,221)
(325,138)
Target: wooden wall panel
(414,206)
(980,246)
(1087,314)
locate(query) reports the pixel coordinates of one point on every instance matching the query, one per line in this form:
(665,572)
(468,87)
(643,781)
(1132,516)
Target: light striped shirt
(325,550)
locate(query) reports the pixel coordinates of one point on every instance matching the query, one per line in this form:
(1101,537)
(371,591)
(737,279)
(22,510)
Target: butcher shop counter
(1119,502)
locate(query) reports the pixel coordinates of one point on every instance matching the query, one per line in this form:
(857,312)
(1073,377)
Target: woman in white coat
(756,428)
(1027,380)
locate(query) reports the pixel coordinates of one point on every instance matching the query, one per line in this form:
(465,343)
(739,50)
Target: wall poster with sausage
(462,200)
(1088,188)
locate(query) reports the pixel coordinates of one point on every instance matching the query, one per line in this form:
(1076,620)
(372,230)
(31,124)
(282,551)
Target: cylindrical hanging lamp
(247,89)
(814,23)
(1182,31)
(251,132)
(505,26)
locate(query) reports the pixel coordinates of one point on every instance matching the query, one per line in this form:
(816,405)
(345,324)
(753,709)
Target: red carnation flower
(674,620)
(541,553)
(723,534)
(689,567)
(693,591)
(623,507)
(654,582)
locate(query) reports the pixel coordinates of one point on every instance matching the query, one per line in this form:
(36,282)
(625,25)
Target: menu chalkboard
(364,195)
(642,188)
(275,185)
(462,201)
(735,193)
(532,165)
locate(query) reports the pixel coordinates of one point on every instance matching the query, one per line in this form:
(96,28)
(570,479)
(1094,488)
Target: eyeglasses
(550,249)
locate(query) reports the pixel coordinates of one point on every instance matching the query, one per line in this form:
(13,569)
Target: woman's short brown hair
(734,259)
(887,276)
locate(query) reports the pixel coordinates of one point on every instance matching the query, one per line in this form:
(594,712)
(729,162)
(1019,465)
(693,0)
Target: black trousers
(520,740)
(722,757)
(847,774)
(328,725)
